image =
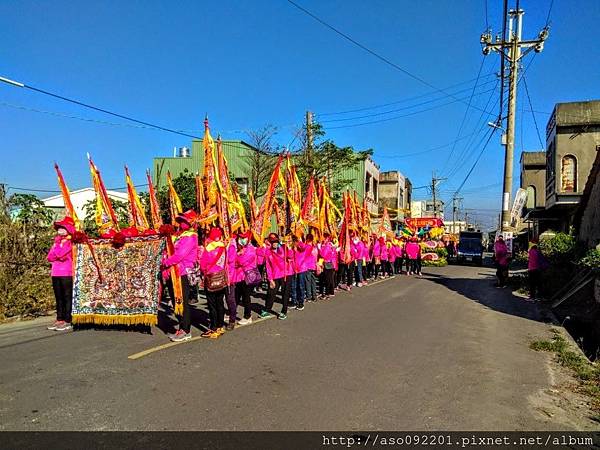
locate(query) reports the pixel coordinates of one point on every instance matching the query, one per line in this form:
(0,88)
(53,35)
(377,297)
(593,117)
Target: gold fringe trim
(116,319)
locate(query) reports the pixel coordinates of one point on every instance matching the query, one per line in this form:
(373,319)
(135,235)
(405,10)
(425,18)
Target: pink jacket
(305,259)
(380,251)
(231,257)
(413,250)
(536,260)
(186,252)
(275,262)
(245,260)
(61,257)
(328,253)
(212,259)
(364,250)
(260,255)
(501,253)
(355,251)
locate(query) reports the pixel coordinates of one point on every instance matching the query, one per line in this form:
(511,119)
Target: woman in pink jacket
(311,254)
(61,257)
(413,251)
(279,273)
(214,260)
(245,261)
(184,258)
(380,256)
(328,254)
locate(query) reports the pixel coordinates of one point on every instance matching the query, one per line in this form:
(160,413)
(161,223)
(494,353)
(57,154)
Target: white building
(424,208)
(79,198)
(451,227)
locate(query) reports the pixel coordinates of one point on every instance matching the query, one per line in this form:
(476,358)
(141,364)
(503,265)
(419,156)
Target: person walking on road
(502,258)
(61,257)
(278,265)
(213,262)
(535,266)
(184,258)
(246,275)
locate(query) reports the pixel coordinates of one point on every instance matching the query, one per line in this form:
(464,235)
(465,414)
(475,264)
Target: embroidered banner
(128,291)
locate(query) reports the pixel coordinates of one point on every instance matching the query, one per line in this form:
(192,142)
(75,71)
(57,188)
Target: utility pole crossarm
(509,47)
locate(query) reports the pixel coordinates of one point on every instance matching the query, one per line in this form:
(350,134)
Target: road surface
(444,352)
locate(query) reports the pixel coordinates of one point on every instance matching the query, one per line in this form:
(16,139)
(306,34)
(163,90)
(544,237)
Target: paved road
(444,352)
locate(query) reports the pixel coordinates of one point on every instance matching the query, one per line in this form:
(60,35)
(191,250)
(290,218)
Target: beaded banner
(126,291)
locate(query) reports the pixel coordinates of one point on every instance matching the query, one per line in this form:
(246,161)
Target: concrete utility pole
(455,199)
(510,51)
(434,182)
(309,135)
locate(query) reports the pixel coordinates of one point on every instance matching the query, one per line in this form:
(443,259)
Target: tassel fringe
(116,319)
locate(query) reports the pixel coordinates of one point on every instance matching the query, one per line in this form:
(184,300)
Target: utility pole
(455,199)
(510,51)
(434,182)
(309,136)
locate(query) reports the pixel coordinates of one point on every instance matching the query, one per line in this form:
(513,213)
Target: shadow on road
(482,290)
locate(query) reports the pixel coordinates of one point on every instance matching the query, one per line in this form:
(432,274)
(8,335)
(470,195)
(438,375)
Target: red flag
(66,195)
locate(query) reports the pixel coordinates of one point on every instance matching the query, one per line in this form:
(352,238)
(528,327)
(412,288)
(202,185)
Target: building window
(367,184)
(243,185)
(531,197)
(375,189)
(568,174)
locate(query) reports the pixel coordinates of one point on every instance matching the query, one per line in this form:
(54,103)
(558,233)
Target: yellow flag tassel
(115,319)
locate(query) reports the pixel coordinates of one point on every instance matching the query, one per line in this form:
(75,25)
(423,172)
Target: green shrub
(559,248)
(437,263)
(591,259)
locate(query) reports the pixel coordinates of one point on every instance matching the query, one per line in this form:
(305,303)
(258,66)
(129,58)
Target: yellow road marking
(173,344)
(160,347)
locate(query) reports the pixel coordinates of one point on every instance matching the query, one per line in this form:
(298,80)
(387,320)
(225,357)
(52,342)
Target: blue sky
(247,64)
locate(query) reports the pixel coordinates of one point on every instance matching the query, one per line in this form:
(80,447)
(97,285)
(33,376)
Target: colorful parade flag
(262,222)
(253,207)
(210,170)
(175,207)
(155,217)
(66,195)
(310,209)
(137,214)
(199,194)
(105,216)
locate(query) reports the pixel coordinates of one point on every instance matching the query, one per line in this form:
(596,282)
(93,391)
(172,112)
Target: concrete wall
(533,173)
(589,228)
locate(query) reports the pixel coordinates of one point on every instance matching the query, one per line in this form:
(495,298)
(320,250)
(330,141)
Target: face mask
(275,245)
(356,240)
(243,242)
(61,232)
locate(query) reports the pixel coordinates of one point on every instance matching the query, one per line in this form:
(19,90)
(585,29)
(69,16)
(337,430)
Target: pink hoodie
(328,253)
(231,257)
(61,257)
(305,258)
(413,250)
(260,255)
(501,253)
(213,260)
(290,262)
(355,250)
(275,262)
(186,252)
(380,251)
(245,260)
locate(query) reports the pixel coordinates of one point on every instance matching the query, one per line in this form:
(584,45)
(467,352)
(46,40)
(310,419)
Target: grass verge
(587,373)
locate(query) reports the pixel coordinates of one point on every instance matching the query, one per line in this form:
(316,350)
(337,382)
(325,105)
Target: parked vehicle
(470,248)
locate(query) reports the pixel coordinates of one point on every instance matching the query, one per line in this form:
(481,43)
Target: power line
(424,151)
(406,115)
(368,50)
(403,108)
(537,129)
(382,105)
(95,108)
(55,191)
(462,123)
(477,160)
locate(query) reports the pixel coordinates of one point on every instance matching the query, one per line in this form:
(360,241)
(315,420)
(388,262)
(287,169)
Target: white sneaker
(245,321)
(63,326)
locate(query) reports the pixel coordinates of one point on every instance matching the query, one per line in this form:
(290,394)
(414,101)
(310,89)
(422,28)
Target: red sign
(421,222)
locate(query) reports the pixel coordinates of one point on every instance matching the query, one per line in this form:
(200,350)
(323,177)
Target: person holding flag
(213,264)
(279,276)
(184,259)
(246,275)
